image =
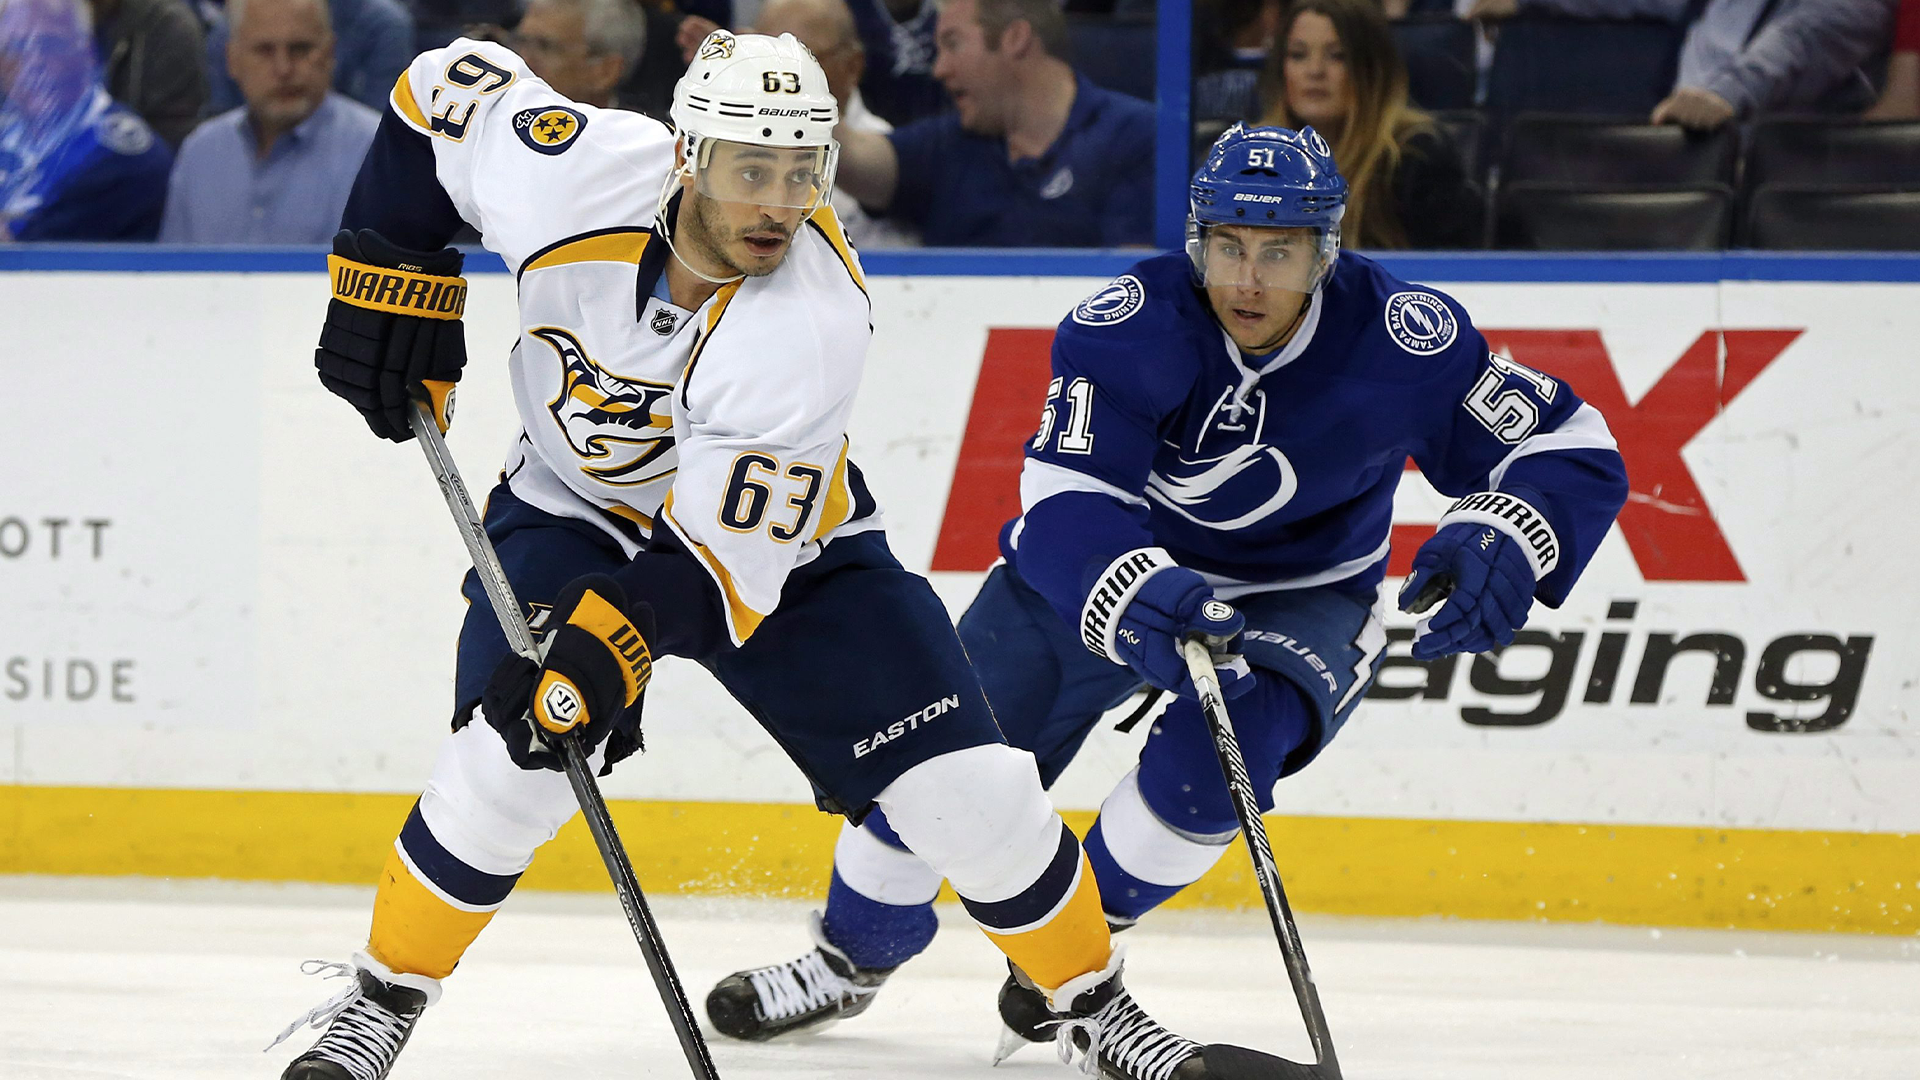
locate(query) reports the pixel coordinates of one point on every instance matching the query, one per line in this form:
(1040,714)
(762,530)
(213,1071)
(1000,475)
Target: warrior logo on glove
(594,666)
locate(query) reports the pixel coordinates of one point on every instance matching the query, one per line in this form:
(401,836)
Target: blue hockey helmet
(1267,178)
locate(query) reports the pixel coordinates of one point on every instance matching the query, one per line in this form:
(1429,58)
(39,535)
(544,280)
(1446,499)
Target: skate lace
(800,986)
(1127,1037)
(361,1035)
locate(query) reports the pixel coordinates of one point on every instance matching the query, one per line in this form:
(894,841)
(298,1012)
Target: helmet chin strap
(664,227)
(694,270)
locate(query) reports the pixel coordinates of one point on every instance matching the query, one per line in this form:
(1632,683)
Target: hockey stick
(506,608)
(1247,808)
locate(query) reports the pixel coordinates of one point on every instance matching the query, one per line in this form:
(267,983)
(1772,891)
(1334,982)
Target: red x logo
(1667,522)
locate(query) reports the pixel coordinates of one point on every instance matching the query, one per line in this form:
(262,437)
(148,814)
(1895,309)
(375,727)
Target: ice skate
(365,1024)
(1114,1038)
(816,989)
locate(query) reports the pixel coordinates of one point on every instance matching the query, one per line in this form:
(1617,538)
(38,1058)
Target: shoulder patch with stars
(549,130)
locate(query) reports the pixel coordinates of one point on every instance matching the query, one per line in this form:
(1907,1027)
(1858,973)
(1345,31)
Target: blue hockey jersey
(1278,471)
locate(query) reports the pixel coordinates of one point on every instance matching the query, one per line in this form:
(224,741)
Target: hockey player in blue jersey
(1218,454)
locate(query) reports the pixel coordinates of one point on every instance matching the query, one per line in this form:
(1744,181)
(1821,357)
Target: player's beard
(709,226)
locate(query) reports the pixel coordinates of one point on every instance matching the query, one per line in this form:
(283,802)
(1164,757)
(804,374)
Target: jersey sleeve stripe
(828,224)
(405,105)
(608,245)
(720,301)
(635,516)
(839,503)
(1586,429)
(742,620)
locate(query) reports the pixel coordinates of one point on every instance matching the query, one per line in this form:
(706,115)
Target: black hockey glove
(595,663)
(393,334)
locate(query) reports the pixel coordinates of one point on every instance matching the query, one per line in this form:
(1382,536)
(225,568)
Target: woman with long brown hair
(1336,68)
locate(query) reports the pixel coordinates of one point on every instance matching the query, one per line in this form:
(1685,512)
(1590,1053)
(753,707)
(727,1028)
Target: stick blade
(1226,1062)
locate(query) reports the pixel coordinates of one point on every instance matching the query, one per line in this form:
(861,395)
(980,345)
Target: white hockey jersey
(726,424)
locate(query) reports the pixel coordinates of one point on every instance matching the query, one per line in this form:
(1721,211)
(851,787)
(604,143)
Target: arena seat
(1615,150)
(1468,129)
(1548,216)
(1439,50)
(1116,53)
(1614,68)
(1833,217)
(1833,150)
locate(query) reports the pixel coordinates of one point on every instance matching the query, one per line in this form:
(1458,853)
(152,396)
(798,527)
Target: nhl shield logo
(664,322)
(550,130)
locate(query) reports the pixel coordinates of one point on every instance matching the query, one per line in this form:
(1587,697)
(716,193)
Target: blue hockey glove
(1145,605)
(1483,562)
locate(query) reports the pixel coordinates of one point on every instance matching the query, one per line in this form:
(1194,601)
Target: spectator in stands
(153,52)
(672,35)
(1033,155)
(372,45)
(1234,38)
(584,49)
(826,28)
(900,83)
(1337,70)
(1745,57)
(74,164)
(276,170)
(1901,98)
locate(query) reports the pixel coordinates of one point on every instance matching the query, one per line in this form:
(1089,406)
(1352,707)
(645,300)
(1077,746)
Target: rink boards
(229,614)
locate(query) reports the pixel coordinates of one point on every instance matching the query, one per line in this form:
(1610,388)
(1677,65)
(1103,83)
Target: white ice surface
(158,981)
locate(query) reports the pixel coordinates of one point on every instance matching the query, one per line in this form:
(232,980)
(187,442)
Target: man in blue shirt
(373,44)
(277,170)
(74,165)
(1033,154)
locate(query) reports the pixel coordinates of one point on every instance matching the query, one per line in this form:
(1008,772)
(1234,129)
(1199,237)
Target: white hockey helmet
(752,90)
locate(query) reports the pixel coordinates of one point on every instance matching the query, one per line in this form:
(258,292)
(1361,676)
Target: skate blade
(1225,1062)
(1010,1043)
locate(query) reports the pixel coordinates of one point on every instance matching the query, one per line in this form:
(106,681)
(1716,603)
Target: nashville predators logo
(550,130)
(611,422)
(718,46)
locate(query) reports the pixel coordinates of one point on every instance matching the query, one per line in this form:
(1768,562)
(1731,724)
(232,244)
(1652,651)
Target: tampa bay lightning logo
(1232,489)
(1421,322)
(1113,304)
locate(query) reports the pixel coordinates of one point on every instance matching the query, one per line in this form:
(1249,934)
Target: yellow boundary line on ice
(1639,874)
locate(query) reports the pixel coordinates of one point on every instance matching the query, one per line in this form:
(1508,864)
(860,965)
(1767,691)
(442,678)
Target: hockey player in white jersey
(693,325)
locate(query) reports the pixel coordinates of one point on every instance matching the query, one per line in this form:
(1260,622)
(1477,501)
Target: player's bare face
(748,200)
(1258,280)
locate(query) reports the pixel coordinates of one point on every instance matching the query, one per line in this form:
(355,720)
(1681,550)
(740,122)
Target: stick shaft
(1247,807)
(486,563)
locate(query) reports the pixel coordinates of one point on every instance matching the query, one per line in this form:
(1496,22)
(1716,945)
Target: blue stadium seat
(1441,70)
(1542,216)
(1616,150)
(1581,66)
(1834,150)
(1115,53)
(1796,217)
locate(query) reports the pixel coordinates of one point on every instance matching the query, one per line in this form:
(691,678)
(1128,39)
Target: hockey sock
(429,905)
(873,934)
(1053,929)
(880,903)
(980,817)
(1139,860)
